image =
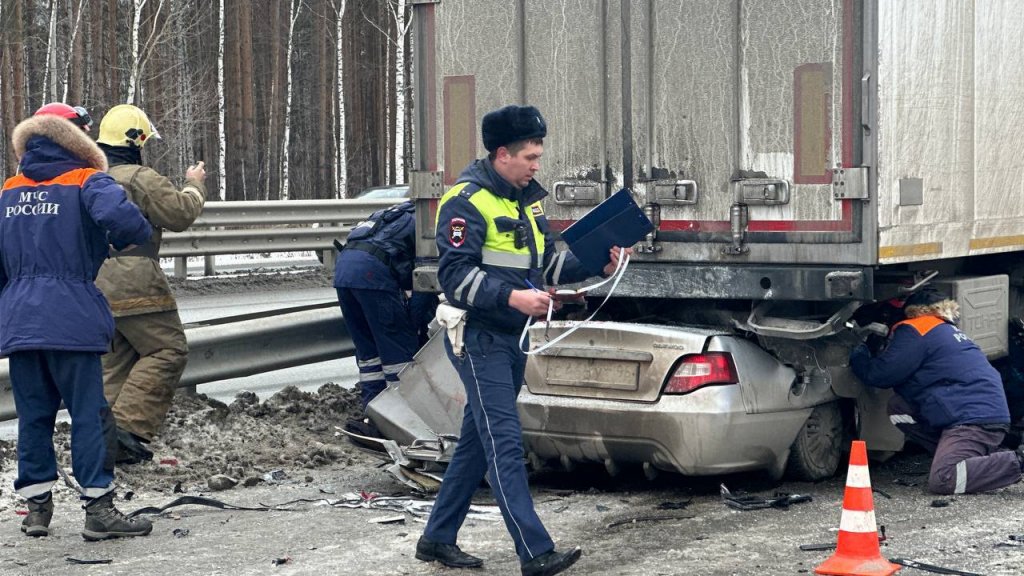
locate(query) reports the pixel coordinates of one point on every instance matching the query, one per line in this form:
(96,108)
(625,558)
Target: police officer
(372,273)
(493,243)
(59,213)
(949,399)
(149,351)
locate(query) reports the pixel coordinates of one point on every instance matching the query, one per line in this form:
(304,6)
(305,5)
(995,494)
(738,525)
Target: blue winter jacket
(57,219)
(483,288)
(387,235)
(939,370)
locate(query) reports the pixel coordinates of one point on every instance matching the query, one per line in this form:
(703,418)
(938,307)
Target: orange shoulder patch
(923,324)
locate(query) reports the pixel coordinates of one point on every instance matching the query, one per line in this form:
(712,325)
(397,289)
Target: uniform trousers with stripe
(383,333)
(492,369)
(967,458)
(40,379)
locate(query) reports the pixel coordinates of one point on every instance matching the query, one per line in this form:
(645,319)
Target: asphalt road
(626,527)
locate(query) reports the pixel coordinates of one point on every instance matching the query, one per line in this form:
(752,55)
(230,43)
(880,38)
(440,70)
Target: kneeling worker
(949,399)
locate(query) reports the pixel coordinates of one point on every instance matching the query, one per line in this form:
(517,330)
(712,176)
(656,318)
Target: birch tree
(402,24)
(50,74)
(293,14)
(133,78)
(222,146)
(341,168)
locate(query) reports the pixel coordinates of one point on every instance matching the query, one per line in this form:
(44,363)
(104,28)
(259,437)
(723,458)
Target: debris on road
(652,518)
(932,568)
(741,501)
(220,482)
(197,501)
(97,561)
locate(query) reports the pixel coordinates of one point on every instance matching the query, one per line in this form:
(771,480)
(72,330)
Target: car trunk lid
(608,360)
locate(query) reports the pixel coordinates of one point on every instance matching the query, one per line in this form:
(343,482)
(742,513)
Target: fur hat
(511,124)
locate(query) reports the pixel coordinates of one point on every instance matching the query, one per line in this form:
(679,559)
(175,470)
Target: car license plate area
(592,373)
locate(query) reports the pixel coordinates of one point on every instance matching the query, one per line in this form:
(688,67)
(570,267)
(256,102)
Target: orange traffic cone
(857,551)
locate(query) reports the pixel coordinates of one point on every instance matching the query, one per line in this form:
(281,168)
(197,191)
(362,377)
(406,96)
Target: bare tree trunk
(342,166)
(325,99)
(73,86)
(136,57)
(232,86)
(293,14)
(403,20)
(221,106)
(50,74)
(273,176)
(114,93)
(13,99)
(247,105)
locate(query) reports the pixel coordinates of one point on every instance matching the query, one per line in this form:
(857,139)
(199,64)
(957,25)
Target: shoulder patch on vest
(457,231)
(537,209)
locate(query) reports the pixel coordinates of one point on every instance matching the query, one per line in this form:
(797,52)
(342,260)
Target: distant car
(383,192)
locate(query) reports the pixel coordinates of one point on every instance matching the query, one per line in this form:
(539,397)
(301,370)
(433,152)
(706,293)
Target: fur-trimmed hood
(59,131)
(947,309)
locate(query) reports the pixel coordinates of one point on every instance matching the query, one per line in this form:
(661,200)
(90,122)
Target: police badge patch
(457,231)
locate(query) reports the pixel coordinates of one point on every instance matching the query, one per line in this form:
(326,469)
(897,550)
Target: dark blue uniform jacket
(388,234)
(938,369)
(54,222)
(490,309)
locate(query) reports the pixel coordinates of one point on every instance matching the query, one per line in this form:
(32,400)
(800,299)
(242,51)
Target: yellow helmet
(126,125)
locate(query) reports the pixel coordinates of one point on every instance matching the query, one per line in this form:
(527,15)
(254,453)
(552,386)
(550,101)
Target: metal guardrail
(246,345)
(269,226)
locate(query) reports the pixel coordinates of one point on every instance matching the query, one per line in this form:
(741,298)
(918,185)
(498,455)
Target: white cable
(620,271)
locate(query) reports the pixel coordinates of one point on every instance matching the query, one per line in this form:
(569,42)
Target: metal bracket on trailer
(791,329)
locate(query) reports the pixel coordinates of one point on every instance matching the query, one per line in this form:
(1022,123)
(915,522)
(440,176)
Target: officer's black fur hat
(925,297)
(511,124)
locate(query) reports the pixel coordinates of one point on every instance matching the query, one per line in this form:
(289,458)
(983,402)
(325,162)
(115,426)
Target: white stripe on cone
(858,477)
(860,522)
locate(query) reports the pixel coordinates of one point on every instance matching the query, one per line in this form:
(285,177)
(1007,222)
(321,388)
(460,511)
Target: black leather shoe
(551,563)
(448,554)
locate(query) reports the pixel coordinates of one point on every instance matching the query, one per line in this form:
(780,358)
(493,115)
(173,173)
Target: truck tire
(817,449)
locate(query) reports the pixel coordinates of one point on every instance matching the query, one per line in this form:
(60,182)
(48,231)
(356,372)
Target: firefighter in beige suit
(149,351)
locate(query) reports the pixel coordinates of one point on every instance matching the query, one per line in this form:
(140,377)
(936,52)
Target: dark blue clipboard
(617,221)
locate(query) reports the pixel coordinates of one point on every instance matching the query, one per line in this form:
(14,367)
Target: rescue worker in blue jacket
(494,246)
(59,216)
(949,399)
(372,273)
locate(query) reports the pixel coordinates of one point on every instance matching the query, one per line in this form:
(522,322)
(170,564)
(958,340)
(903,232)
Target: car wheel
(816,452)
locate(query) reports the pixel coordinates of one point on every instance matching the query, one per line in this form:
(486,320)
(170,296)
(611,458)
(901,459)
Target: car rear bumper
(706,432)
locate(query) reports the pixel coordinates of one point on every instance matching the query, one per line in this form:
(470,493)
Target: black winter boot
(103,521)
(40,512)
(131,449)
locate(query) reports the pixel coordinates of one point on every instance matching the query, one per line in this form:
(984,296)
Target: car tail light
(697,370)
